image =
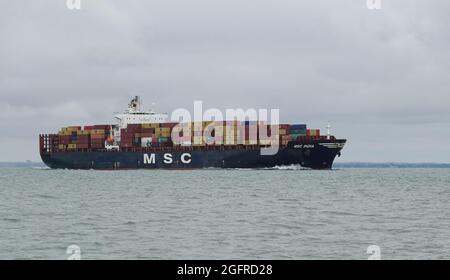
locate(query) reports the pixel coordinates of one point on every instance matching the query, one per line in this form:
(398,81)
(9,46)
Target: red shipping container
(134,126)
(102,126)
(147,130)
(169,125)
(98,136)
(313,132)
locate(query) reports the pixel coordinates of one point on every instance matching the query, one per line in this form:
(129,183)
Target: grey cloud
(379,76)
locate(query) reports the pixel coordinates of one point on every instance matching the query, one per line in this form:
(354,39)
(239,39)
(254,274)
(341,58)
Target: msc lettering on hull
(185,158)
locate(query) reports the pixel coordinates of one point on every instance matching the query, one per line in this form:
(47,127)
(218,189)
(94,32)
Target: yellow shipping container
(229,130)
(231,136)
(162,129)
(83,132)
(162,134)
(98,131)
(218,142)
(197,126)
(219,131)
(205,124)
(71,146)
(61,146)
(149,125)
(69,129)
(197,140)
(233,140)
(265,141)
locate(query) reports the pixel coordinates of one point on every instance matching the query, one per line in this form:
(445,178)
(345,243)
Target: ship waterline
(312,155)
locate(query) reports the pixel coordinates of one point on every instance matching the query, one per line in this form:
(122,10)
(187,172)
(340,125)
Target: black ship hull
(314,155)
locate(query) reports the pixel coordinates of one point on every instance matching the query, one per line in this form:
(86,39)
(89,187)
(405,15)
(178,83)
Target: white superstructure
(134,115)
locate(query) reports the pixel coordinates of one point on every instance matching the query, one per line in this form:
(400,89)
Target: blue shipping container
(297,127)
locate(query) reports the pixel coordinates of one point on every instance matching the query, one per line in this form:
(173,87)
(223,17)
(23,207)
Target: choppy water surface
(222,214)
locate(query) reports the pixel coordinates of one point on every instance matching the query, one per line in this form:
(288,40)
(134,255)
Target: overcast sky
(380,76)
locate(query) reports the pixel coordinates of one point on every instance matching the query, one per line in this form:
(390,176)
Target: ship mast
(328,131)
(135,105)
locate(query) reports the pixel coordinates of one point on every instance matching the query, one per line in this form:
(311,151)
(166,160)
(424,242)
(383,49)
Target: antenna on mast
(328,130)
(152,109)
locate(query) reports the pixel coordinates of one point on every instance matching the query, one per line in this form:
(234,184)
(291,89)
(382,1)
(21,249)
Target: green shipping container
(163,139)
(301,132)
(294,136)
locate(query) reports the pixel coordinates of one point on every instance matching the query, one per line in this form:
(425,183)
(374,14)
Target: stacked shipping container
(146,135)
(209,133)
(202,134)
(74,137)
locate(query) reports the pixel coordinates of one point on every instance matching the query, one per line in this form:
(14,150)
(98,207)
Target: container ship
(143,140)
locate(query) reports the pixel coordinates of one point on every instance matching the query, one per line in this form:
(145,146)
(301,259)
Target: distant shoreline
(29,164)
(20,164)
(389,165)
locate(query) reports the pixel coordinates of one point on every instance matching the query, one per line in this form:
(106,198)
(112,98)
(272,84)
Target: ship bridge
(134,115)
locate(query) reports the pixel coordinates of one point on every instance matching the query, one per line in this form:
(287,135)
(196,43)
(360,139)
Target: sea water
(285,213)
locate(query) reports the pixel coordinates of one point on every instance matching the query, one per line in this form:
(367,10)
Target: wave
(40,167)
(278,167)
(288,167)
